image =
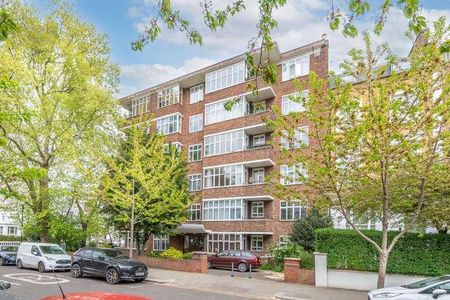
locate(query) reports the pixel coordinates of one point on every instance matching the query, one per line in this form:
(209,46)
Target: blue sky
(300,22)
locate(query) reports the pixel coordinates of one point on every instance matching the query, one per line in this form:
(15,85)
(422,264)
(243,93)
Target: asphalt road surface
(32,285)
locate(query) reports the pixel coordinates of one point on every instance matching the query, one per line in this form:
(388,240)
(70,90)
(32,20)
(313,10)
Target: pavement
(173,285)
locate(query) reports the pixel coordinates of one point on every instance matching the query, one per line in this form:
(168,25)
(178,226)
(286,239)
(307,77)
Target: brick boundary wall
(198,263)
(293,273)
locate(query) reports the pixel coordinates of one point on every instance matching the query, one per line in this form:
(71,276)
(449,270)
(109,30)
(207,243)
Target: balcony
(251,157)
(248,191)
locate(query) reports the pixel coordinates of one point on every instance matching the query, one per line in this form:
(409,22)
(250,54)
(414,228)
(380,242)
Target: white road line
(23,277)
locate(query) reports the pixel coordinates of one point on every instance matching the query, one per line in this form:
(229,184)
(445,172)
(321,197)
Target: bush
(188,256)
(172,253)
(92,244)
(279,253)
(153,254)
(9,238)
(414,254)
(303,231)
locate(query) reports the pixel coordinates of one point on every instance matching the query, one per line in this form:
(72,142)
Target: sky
(299,22)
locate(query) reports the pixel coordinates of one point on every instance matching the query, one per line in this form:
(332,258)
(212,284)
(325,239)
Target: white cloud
(137,77)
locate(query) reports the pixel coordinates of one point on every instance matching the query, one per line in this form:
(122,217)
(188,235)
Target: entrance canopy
(192,229)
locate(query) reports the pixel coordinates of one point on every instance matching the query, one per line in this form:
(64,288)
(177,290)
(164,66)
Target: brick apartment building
(230,152)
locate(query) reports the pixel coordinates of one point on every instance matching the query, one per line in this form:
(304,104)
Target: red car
(239,259)
(96,296)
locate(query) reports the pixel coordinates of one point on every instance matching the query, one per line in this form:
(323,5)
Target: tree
(377,144)
(338,17)
(61,110)
(145,184)
(303,230)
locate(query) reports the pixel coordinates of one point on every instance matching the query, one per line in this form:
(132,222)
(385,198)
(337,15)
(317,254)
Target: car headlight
(386,295)
(49,258)
(125,267)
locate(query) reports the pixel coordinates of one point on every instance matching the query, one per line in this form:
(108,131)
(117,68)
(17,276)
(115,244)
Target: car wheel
(76,271)
(2,262)
(112,276)
(139,279)
(19,264)
(242,267)
(41,267)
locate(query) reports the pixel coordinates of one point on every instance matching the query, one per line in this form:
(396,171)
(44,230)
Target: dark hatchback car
(111,264)
(239,259)
(8,255)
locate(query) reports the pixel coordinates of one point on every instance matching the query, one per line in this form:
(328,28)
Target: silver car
(428,289)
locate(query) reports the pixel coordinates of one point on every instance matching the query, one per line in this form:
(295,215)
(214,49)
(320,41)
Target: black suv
(109,263)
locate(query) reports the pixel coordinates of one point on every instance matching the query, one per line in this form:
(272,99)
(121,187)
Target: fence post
(321,269)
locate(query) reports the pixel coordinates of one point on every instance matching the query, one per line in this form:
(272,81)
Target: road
(32,285)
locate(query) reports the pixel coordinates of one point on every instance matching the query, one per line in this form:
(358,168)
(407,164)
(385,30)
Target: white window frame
(230,175)
(256,175)
(195,182)
(295,67)
(192,150)
(300,138)
(169,124)
(227,142)
(169,96)
(140,105)
(225,77)
(160,242)
(196,93)
(290,174)
(195,123)
(215,112)
(293,209)
(256,140)
(224,210)
(284,240)
(288,105)
(257,243)
(220,241)
(14,230)
(257,209)
(195,212)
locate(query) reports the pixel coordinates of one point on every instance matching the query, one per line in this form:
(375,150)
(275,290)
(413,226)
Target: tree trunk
(132,230)
(84,226)
(382,269)
(43,208)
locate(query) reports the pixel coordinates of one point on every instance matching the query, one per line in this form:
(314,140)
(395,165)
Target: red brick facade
(270,225)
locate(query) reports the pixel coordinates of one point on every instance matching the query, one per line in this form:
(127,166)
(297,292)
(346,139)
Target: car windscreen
(114,253)
(426,282)
(52,249)
(8,248)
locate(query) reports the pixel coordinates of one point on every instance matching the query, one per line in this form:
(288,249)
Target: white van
(42,256)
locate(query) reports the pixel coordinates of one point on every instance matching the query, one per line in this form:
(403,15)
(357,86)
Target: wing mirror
(438,292)
(5,285)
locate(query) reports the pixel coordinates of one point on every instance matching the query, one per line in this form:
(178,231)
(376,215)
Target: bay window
(169,96)
(160,242)
(218,242)
(222,210)
(140,105)
(225,77)
(169,124)
(224,176)
(224,143)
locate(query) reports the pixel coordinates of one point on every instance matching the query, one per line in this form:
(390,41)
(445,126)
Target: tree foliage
(61,110)
(145,186)
(380,141)
(303,230)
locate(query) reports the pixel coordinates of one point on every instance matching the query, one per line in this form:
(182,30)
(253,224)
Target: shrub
(414,254)
(279,253)
(9,238)
(188,255)
(172,253)
(303,231)
(153,254)
(92,244)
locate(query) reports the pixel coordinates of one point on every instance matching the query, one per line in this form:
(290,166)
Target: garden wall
(198,263)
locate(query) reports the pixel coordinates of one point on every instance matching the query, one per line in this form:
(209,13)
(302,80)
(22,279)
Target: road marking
(12,283)
(35,278)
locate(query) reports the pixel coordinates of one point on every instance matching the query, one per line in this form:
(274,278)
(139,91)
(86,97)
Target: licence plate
(139,273)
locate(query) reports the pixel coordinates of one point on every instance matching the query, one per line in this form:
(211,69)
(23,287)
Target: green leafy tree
(145,185)
(377,144)
(339,17)
(303,230)
(61,110)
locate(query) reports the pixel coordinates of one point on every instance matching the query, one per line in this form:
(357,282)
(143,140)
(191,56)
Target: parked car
(42,256)
(5,294)
(97,296)
(428,289)
(111,264)
(239,259)
(8,255)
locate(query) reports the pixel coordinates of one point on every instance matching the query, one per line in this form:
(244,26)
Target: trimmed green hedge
(9,238)
(414,254)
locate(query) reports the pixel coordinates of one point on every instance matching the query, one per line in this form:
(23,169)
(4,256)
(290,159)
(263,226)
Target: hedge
(9,238)
(414,254)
